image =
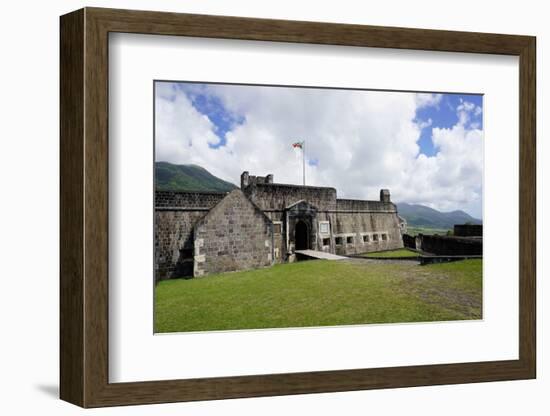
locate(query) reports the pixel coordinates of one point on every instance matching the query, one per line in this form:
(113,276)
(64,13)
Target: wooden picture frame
(84,207)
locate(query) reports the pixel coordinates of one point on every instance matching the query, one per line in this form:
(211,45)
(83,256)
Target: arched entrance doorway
(301,236)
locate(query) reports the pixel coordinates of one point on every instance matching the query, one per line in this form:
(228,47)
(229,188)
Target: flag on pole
(302,145)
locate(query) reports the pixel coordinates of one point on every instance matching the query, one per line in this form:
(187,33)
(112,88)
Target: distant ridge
(423,216)
(170,177)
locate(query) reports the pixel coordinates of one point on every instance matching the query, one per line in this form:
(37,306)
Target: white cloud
(466,111)
(428,100)
(424,124)
(478,111)
(362,140)
(454,174)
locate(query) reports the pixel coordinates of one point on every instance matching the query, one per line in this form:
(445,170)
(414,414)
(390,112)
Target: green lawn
(389,254)
(318,293)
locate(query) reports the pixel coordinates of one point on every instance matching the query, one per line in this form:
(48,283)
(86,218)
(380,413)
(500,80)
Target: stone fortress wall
(234,235)
(466,240)
(355,226)
(198,233)
(187,200)
(176,214)
(468,230)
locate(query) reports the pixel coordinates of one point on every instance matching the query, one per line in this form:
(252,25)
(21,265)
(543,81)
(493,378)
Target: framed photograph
(254,207)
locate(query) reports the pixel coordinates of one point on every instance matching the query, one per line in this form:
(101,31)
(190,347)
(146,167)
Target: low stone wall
(450,245)
(176,213)
(468,230)
(425,260)
(171,199)
(174,243)
(412,242)
(361,205)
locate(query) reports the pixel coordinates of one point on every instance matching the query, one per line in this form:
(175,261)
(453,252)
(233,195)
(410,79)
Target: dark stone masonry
(467,242)
(468,230)
(234,235)
(200,233)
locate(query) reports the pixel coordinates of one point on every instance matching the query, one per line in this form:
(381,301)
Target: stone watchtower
(248,180)
(244,179)
(385,195)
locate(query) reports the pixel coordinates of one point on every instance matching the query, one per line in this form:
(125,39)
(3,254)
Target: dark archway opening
(301,236)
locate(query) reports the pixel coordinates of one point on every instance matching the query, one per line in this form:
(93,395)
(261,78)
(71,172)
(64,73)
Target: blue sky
(425,147)
(444,115)
(212,107)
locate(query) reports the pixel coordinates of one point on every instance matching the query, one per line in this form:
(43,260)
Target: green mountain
(170,177)
(426,217)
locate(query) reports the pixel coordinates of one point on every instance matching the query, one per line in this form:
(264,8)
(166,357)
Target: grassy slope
(402,252)
(317,293)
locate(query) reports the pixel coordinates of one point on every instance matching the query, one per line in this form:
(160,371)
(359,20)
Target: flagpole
(304,160)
